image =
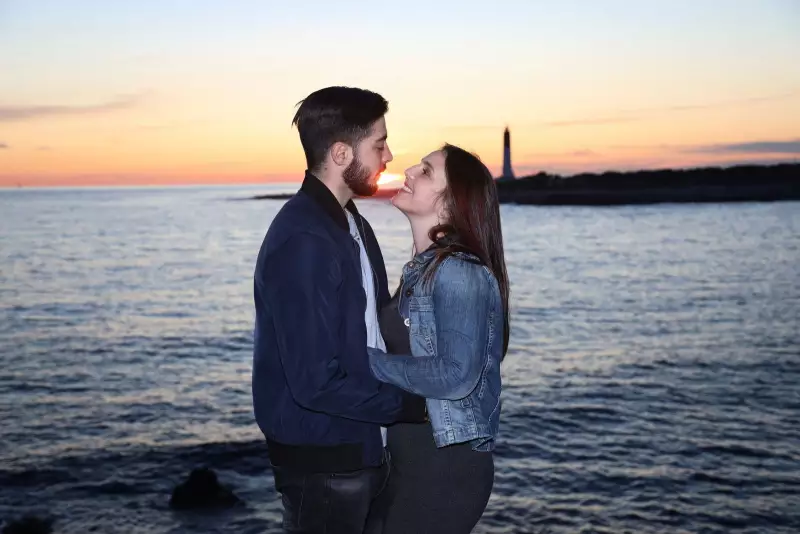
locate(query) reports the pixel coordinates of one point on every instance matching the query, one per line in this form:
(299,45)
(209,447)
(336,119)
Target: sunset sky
(192,91)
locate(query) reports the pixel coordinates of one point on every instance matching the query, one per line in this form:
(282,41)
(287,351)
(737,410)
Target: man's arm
(301,288)
(461,305)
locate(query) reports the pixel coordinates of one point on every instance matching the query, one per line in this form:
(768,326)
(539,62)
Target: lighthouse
(508,174)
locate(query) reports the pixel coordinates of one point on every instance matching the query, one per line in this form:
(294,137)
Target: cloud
(44,148)
(747,161)
(4,146)
(731,103)
(563,123)
(589,121)
(568,167)
(473,127)
(623,116)
(22,113)
(584,153)
(753,147)
(171,125)
(631,115)
(561,156)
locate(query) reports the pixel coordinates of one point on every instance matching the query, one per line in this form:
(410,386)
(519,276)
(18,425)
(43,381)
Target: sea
(652,383)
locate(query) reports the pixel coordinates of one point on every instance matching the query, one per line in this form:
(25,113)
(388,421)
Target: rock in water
(29,524)
(202,490)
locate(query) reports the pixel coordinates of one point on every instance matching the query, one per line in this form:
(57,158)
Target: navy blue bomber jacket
(314,396)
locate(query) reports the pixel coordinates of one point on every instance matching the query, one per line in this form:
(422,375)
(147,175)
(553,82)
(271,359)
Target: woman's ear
(441,211)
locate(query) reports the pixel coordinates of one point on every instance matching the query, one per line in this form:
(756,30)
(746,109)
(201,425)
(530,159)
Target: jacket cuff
(414,409)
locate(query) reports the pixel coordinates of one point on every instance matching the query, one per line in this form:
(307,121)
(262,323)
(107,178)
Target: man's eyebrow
(385,136)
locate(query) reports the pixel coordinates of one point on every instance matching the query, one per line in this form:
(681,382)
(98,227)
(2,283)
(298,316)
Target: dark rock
(202,490)
(29,524)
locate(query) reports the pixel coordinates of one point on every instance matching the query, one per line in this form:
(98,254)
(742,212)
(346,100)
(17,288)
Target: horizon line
(222,184)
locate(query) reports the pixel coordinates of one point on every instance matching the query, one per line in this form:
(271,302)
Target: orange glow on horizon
(388,177)
(155,105)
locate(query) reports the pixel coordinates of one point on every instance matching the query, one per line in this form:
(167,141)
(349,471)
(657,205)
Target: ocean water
(652,385)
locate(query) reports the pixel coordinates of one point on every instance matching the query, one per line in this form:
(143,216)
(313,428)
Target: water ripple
(650,386)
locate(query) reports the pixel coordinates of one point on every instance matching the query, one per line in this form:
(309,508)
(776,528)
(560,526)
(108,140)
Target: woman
(446,331)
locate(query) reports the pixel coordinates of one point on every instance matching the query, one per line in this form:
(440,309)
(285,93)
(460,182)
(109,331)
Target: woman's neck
(420,231)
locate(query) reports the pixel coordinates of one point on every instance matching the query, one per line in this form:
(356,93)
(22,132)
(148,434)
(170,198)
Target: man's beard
(357,177)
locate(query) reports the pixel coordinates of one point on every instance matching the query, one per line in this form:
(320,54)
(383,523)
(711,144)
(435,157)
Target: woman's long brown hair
(473,220)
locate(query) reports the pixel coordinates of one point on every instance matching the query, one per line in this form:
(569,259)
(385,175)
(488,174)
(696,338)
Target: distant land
(740,183)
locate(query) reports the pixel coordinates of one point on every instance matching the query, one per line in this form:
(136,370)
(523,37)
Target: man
(319,281)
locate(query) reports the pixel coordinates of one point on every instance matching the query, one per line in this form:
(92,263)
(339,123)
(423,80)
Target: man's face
(369,161)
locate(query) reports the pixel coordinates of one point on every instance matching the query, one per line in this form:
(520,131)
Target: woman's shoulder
(464,268)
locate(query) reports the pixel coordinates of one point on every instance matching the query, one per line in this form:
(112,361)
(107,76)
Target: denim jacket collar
(423,259)
(419,262)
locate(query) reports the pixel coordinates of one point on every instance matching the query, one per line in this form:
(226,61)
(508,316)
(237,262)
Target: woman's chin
(399,200)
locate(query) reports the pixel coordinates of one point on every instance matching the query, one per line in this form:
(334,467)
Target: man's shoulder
(300,251)
(297,224)
(300,214)
(298,206)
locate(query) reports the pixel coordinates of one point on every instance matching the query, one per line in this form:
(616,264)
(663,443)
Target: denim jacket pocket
(422,324)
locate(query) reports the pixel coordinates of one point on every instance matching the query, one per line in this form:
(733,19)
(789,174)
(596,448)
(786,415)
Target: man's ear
(341,154)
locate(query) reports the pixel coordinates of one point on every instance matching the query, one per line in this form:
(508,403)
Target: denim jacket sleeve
(462,300)
(302,285)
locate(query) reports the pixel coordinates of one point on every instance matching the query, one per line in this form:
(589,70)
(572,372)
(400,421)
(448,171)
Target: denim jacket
(455,322)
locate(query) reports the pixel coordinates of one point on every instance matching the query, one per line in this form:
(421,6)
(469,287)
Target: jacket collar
(426,255)
(423,259)
(313,187)
(420,261)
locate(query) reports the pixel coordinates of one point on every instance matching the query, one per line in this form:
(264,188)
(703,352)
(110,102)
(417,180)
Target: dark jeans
(332,503)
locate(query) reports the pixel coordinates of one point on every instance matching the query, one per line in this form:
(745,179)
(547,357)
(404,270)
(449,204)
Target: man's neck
(338,188)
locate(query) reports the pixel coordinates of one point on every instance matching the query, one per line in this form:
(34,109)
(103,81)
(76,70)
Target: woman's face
(421,194)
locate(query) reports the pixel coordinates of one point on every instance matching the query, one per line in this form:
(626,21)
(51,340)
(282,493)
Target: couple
(380,412)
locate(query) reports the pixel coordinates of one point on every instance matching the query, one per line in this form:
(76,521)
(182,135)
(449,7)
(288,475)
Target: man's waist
(341,457)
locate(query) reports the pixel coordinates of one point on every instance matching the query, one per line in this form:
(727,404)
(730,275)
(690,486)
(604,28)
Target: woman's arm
(462,300)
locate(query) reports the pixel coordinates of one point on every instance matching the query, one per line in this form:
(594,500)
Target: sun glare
(387,178)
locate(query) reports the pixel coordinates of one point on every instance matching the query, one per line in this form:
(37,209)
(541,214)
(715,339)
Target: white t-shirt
(374,338)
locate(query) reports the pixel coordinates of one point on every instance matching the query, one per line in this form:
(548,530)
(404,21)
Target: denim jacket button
(410,264)
(409,292)
(406,321)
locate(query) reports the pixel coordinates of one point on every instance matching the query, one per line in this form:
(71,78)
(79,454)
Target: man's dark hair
(336,114)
